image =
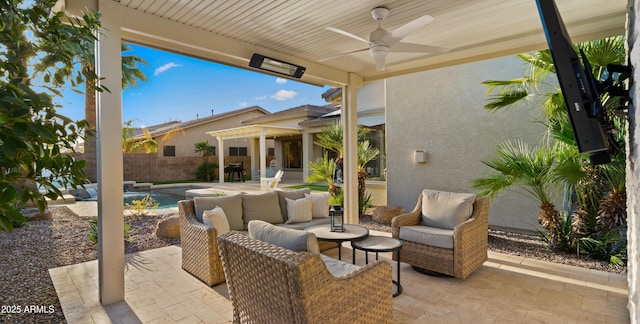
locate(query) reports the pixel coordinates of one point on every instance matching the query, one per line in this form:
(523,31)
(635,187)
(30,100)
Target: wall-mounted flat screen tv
(578,86)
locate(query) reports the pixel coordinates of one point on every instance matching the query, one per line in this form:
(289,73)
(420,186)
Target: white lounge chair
(269,184)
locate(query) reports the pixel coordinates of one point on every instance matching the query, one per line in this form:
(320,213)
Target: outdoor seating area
(505,289)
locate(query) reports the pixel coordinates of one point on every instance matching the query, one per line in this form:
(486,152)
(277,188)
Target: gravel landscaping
(31,250)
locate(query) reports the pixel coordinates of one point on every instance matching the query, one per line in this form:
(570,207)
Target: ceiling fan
(381,42)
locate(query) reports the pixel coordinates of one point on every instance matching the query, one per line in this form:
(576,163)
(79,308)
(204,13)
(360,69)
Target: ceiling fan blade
(340,31)
(332,57)
(417,48)
(410,27)
(380,62)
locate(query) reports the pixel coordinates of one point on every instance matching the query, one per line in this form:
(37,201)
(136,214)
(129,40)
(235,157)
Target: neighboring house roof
(159,131)
(306,111)
(371,117)
(138,130)
(333,95)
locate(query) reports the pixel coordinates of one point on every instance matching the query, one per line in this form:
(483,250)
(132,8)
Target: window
(169,150)
(271,151)
(375,168)
(237,151)
(292,151)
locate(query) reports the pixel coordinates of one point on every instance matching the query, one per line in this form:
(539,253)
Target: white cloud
(281,80)
(261,98)
(283,95)
(165,67)
(242,104)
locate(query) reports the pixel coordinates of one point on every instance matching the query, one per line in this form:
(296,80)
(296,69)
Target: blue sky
(179,87)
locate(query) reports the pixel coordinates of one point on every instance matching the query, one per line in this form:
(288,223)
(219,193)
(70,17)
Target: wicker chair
(469,241)
(199,246)
(271,284)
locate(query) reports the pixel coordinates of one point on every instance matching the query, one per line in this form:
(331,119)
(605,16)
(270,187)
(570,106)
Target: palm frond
(322,170)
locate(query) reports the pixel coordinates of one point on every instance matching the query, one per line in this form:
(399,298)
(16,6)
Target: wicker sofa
(271,284)
(199,246)
(470,242)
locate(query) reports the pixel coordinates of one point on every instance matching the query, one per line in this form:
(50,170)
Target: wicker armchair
(199,246)
(271,284)
(469,241)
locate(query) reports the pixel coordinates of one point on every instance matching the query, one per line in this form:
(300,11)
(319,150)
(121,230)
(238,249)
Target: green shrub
(207,171)
(607,247)
(139,206)
(93,230)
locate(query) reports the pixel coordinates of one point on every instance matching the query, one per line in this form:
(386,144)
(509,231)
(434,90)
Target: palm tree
(584,182)
(131,75)
(330,137)
(323,170)
(519,166)
(203,148)
(132,145)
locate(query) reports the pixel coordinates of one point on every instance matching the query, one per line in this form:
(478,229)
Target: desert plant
(364,203)
(531,170)
(562,236)
(331,137)
(93,230)
(323,170)
(207,171)
(140,206)
(608,246)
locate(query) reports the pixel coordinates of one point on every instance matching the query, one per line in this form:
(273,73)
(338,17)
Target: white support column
(349,118)
(307,152)
(108,64)
(220,159)
(255,158)
(263,155)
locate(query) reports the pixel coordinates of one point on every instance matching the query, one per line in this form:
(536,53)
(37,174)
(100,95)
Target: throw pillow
(444,209)
(320,204)
(291,239)
(291,194)
(216,218)
(299,210)
(232,206)
(264,207)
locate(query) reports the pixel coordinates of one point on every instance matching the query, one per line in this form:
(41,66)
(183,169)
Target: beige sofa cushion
(291,194)
(444,209)
(291,239)
(216,218)
(320,204)
(232,206)
(426,235)
(299,210)
(264,207)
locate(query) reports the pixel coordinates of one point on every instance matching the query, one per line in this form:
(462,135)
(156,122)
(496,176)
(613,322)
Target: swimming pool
(166,199)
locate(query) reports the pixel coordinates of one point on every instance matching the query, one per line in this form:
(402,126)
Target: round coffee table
(351,233)
(379,244)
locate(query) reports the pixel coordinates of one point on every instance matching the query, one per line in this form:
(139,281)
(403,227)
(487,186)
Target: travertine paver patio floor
(506,289)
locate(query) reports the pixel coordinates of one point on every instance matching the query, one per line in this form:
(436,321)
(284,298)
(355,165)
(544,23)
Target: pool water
(165,199)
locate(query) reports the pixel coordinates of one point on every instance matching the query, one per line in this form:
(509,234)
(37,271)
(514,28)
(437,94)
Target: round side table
(351,233)
(379,244)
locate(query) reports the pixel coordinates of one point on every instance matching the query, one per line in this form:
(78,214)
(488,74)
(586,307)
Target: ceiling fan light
(379,51)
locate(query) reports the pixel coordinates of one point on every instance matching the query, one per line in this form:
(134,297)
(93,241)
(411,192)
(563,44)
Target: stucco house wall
(441,111)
